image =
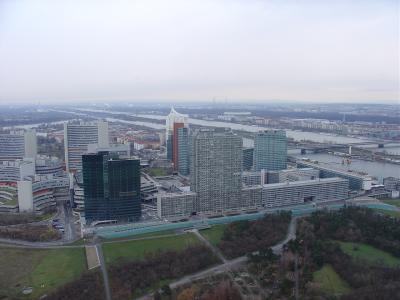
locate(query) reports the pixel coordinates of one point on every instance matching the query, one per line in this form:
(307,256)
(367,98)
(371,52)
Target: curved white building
(77,137)
(46,165)
(18,144)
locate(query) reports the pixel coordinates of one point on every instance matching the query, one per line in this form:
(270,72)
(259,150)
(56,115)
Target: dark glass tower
(111,187)
(183,151)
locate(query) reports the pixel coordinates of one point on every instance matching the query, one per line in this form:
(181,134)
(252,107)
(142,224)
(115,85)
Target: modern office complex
(299,192)
(356,181)
(215,172)
(18,145)
(270,150)
(77,137)
(178,205)
(111,187)
(174,128)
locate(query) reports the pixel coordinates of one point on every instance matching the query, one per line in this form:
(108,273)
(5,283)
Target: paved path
(214,249)
(103,267)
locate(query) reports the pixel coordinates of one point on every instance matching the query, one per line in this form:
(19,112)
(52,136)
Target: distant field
(395,202)
(136,249)
(42,269)
(369,254)
(144,235)
(157,172)
(330,282)
(391,213)
(214,234)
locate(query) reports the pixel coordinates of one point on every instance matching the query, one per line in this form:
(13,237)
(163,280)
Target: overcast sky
(237,50)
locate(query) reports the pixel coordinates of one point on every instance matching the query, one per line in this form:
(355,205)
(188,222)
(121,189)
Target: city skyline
(229,51)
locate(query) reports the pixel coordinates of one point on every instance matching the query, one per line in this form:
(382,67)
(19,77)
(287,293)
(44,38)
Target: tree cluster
(31,233)
(245,237)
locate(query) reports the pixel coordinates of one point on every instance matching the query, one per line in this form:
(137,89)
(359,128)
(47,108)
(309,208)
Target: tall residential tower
(216,165)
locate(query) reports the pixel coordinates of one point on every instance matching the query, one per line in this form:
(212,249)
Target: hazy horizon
(199,51)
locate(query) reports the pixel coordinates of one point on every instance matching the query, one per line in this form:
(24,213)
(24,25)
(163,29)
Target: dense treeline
(129,279)
(31,233)
(244,237)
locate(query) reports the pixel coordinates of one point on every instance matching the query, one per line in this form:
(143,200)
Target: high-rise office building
(183,153)
(216,165)
(77,137)
(18,145)
(111,187)
(175,121)
(270,150)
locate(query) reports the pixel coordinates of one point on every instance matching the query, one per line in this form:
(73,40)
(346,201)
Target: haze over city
(182,51)
(199,150)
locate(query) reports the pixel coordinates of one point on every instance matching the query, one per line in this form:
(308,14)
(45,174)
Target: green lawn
(136,249)
(330,282)
(394,202)
(391,213)
(157,172)
(369,254)
(214,234)
(144,235)
(42,269)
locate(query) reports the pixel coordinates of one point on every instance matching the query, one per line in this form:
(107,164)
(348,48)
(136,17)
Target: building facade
(270,150)
(215,172)
(248,155)
(259,197)
(111,187)
(77,137)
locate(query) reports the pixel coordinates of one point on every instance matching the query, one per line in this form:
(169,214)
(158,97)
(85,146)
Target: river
(377,169)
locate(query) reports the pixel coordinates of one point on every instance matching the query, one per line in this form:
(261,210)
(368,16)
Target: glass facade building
(183,153)
(111,187)
(270,150)
(248,154)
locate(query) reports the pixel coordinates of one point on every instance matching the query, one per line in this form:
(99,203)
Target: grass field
(157,172)
(394,202)
(42,269)
(389,212)
(144,235)
(330,282)
(136,249)
(369,254)
(214,234)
